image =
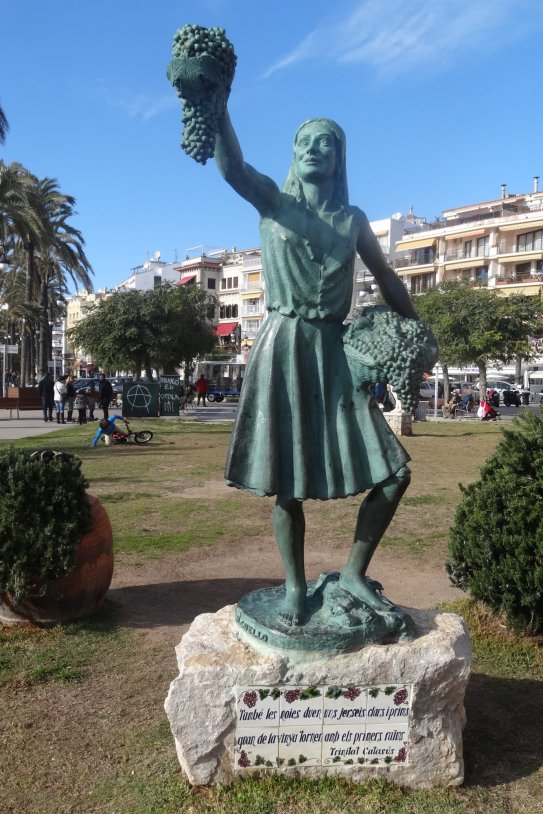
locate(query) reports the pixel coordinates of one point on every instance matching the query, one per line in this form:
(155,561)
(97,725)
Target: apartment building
(77,308)
(388,231)
(149,275)
(497,243)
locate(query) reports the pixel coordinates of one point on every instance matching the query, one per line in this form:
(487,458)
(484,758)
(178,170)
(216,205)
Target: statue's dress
(305,428)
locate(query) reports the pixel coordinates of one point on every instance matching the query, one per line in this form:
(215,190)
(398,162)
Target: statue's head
(331,139)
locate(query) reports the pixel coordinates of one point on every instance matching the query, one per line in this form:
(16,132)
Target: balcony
(251,262)
(412,260)
(250,328)
(514,248)
(256,285)
(522,279)
(472,254)
(252,310)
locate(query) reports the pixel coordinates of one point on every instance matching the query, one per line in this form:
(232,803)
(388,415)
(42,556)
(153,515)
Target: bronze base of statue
(335,620)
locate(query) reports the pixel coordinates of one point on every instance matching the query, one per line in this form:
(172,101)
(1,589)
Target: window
(468,247)
(157,281)
(422,282)
(228,311)
(383,243)
(530,241)
(211,282)
(223,283)
(425,255)
(523,269)
(252,307)
(482,246)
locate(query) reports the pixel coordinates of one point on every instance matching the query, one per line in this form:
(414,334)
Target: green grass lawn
(83,728)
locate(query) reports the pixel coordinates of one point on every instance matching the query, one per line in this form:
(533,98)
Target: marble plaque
(321,725)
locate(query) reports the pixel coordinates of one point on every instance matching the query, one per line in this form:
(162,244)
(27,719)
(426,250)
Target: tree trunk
(518,369)
(44,332)
(446,384)
(482,381)
(26,337)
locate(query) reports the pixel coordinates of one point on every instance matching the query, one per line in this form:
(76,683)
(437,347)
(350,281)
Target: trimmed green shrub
(44,513)
(496,541)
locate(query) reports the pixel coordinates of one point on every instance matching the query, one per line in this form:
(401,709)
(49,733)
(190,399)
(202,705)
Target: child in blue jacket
(107,427)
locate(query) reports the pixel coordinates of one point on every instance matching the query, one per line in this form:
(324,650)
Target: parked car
(426,390)
(79,384)
(117,382)
(499,385)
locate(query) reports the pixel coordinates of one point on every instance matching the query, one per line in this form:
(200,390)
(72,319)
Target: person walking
(80,404)
(70,398)
(105,394)
(46,387)
(91,401)
(201,390)
(60,391)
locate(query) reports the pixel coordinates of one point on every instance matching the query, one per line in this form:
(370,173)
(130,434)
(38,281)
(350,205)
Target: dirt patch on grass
(161,597)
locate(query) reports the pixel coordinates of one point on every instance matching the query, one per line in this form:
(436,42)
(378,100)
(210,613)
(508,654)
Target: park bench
(21,399)
(8,404)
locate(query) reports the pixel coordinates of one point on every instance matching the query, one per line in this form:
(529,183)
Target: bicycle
(130,436)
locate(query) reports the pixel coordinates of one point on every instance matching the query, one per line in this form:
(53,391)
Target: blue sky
(440,101)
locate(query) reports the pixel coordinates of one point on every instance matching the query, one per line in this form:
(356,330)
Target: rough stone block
(218,668)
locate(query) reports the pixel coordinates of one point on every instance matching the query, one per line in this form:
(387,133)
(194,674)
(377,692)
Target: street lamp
(4,307)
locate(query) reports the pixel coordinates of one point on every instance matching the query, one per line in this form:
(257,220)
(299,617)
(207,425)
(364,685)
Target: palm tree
(39,195)
(4,125)
(55,253)
(17,216)
(19,222)
(59,256)
(34,220)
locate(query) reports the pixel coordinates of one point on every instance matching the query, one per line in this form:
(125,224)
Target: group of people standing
(62,397)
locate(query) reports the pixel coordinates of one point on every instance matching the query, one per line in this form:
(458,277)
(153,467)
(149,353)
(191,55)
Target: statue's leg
(374,516)
(289,530)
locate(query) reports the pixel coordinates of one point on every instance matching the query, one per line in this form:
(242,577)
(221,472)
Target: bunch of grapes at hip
(387,348)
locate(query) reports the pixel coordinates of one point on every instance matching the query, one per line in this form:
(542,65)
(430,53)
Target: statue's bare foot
(293,609)
(364,589)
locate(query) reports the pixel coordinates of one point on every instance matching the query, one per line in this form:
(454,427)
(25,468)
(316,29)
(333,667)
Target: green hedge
(496,541)
(44,513)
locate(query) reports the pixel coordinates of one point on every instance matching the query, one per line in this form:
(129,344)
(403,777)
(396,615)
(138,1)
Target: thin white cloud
(305,50)
(427,34)
(143,106)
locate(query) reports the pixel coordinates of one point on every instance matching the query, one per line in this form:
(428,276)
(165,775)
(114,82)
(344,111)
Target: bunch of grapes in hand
(201,70)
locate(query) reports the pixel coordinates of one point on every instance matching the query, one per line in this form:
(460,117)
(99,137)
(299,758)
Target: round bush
(44,513)
(496,541)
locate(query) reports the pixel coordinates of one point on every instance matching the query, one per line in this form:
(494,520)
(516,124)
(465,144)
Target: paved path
(31,423)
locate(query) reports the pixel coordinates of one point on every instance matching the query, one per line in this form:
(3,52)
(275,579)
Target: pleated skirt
(305,429)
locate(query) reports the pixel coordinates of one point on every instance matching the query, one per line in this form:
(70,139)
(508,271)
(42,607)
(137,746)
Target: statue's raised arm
(202,70)
(256,188)
(392,288)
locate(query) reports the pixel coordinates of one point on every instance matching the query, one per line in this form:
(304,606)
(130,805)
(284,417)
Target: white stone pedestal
(399,423)
(384,710)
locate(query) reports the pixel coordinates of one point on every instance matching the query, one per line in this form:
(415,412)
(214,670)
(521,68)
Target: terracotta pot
(79,593)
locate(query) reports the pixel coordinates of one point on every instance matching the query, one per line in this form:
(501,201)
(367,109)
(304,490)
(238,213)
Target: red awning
(187,279)
(226,328)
